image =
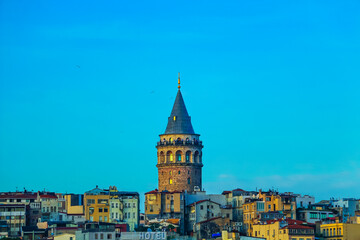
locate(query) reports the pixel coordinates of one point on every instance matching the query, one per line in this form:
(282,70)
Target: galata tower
(179,152)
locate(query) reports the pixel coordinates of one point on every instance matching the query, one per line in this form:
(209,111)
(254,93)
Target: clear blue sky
(271,86)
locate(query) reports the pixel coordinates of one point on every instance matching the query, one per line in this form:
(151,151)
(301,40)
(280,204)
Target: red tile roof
(175,221)
(18,196)
(209,220)
(201,201)
(47,196)
(152,192)
(238,190)
(288,220)
(297,227)
(165,192)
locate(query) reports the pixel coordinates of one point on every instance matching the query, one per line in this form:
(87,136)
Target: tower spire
(179,81)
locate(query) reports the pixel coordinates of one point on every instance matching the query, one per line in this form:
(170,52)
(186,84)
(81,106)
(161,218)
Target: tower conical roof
(179,121)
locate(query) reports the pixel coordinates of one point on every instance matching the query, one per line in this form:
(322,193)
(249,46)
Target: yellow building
(340,231)
(165,205)
(251,209)
(97,206)
(283,230)
(284,203)
(65,236)
(74,204)
(112,206)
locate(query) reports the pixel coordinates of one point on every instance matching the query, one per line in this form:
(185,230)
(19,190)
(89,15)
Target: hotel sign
(143,236)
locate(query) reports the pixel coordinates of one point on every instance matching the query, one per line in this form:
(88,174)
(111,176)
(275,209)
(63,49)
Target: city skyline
(275,106)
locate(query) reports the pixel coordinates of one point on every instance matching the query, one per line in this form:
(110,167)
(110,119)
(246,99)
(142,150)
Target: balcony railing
(180,143)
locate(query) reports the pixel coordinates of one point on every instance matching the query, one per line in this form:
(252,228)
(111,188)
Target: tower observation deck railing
(180,143)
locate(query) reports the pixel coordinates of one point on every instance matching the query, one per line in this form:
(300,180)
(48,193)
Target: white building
(201,195)
(304,201)
(97,231)
(313,215)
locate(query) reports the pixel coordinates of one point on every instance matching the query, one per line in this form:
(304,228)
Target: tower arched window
(178,156)
(169,156)
(187,156)
(162,157)
(196,157)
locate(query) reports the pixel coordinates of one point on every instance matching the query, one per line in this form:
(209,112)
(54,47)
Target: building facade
(15,217)
(112,206)
(340,231)
(165,205)
(74,204)
(283,230)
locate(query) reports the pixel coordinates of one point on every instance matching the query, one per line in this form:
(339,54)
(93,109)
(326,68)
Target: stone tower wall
(176,174)
(179,175)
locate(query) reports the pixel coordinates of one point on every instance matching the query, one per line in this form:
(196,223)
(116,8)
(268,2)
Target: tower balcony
(180,142)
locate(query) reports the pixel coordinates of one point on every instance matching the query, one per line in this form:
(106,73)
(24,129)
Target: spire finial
(179,81)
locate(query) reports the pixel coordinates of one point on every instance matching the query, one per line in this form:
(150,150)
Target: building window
(105,219)
(178,156)
(100,210)
(100,219)
(101,236)
(96,236)
(133,215)
(201,207)
(179,172)
(162,157)
(117,205)
(187,156)
(112,215)
(134,205)
(169,156)
(109,236)
(105,210)
(170,181)
(196,157)
(116,215)
(188,180)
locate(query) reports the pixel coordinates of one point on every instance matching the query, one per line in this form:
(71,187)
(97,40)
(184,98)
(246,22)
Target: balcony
(180,143)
